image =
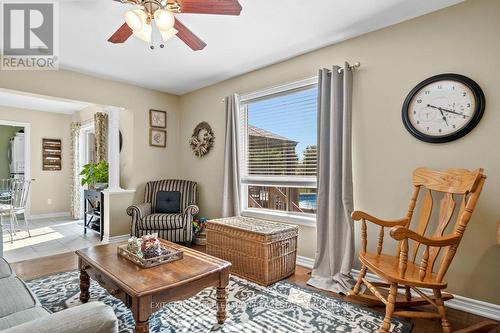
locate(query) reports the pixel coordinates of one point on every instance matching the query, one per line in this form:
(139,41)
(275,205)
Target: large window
(279,150)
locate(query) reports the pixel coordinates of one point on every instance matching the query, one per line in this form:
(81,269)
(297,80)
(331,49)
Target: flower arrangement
(148,246)
(199,224)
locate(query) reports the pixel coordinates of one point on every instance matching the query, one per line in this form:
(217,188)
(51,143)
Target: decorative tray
(171,255)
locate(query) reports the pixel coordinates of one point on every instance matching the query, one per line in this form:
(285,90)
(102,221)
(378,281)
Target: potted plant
(200,236)
(95,175)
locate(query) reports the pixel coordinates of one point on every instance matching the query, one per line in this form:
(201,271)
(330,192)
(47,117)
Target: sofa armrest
(95,317)
(138,212)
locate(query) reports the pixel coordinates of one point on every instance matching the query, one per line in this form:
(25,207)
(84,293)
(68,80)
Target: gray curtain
(75,204)
(335,232)
(231,191)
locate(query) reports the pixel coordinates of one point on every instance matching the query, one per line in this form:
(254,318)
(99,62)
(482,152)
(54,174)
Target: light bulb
(166,35)
(164,19)
(144,33)
(135,19)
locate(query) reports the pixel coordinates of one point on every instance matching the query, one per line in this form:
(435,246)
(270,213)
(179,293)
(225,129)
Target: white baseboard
(49,215)
(305,262)
(115,239)
(470,305)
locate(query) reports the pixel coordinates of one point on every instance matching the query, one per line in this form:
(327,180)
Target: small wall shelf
(51,154)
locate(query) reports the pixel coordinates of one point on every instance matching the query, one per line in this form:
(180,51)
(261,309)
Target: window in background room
(278,149)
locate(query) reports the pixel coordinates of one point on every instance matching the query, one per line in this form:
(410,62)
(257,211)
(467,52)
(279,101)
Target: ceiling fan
(138,21)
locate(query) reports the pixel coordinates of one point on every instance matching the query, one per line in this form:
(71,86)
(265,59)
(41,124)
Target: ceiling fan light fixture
(136,19)
(166,35)
(164,19)
(144,33)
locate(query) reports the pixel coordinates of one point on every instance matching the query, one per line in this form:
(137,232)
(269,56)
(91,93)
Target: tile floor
(48,237)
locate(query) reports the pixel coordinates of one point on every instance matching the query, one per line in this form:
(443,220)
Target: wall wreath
(202,139)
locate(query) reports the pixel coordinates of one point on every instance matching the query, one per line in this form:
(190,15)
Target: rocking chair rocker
(403,271)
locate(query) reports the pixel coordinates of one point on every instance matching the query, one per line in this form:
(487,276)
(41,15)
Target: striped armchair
(172,227)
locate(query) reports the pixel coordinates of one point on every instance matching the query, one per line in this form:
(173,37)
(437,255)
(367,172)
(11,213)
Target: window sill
(308,220)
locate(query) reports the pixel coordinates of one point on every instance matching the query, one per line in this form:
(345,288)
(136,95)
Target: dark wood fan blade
(188,37)
(121,35)
(220,7)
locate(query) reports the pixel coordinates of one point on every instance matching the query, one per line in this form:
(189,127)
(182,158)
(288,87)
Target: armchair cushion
(168,202)
(162,222)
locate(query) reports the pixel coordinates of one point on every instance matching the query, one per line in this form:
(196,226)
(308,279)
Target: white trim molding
(119,191)
(49,215)
(310,81)
(115,239)
(305,262)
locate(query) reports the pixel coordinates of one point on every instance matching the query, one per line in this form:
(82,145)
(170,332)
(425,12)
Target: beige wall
(461,39)
(54,185)
(139,162)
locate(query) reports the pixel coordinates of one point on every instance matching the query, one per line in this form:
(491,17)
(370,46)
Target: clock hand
(444,118)
(446,110)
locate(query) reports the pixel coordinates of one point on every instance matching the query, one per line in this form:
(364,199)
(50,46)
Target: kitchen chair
(13,198)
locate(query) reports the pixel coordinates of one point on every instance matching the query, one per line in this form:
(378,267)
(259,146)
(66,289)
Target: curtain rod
(356,65)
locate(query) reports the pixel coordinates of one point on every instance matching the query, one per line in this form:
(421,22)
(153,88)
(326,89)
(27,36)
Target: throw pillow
(168,202)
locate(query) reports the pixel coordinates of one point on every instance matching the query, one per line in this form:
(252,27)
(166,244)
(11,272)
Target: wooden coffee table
(147,290)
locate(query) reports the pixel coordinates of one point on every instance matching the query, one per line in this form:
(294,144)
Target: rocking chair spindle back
(407,269)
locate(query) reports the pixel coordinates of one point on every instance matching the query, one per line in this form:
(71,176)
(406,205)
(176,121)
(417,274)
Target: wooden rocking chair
(402,271)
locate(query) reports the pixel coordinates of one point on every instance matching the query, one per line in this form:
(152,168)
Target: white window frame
(304,219)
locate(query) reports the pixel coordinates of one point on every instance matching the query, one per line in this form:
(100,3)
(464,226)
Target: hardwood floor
(30,269)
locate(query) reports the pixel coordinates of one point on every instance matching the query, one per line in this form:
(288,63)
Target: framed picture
(157,137)
(158,119)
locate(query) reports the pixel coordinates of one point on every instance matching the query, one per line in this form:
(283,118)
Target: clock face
(443,108)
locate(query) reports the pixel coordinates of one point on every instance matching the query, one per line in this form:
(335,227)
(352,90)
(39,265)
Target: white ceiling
(40,103)
(267,32)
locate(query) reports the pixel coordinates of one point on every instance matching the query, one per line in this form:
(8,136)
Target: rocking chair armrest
(359,215)
(400,233)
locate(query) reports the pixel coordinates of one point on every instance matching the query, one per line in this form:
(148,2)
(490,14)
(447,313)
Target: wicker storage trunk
(260,251)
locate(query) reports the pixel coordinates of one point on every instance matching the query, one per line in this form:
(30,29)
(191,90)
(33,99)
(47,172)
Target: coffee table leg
(141,326)
(84,286)
(221,305)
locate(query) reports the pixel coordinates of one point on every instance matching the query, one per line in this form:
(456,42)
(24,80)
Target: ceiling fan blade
(188,37)
(121,35)
(220,7)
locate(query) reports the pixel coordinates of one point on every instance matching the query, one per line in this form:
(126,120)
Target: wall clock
(443,108)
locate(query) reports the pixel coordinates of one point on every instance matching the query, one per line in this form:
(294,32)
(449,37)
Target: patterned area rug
(279,308)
